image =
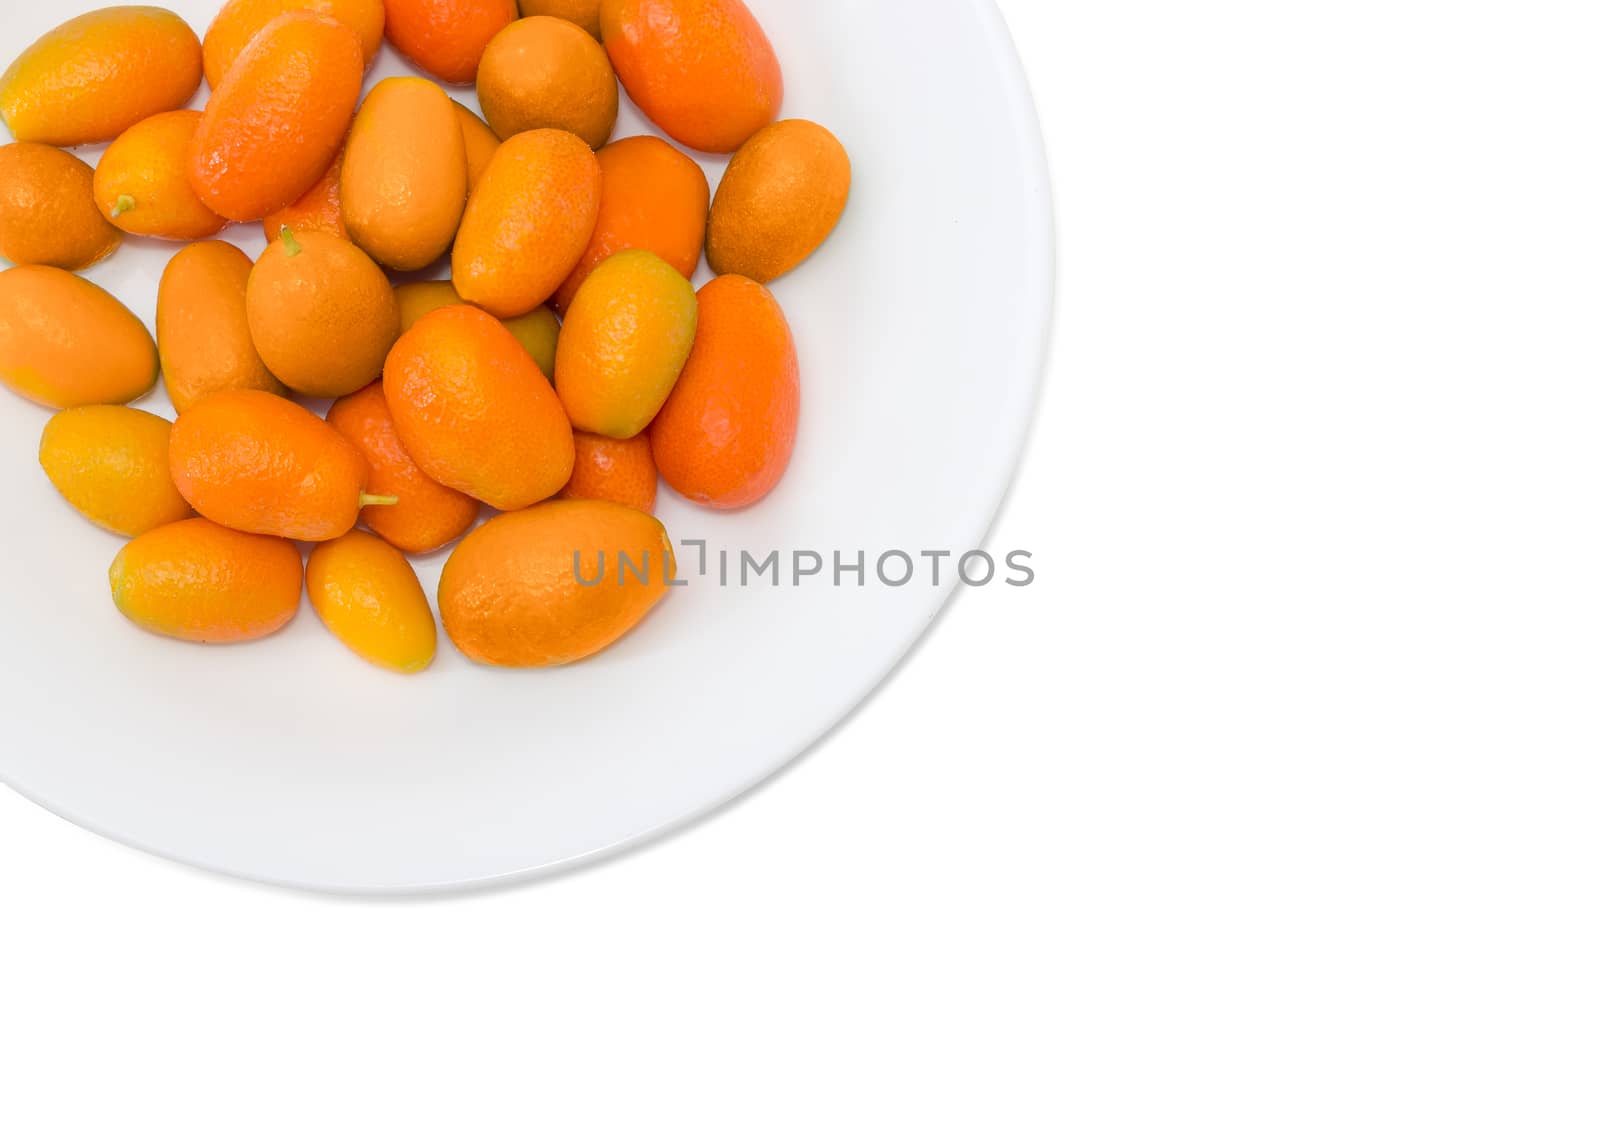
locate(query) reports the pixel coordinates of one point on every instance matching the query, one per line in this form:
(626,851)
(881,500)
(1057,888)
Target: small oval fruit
(202,329)
(510,594)
(257,463)
(110,463)
(584,13)
(48,215)
(781,198)
(142,182)
(100,73)
(703,70)
(427,515)
(275,124)
(322,314)
(624,342)
(404,183)
(480,141)
(417,299)
(528,222)
(537,331)
(65,342)
(320,209)
(621,471)
(446,38)
(198,581)
(652,197)
(726,435)
(241,20)
(546,73)
(475,413)
(368,596)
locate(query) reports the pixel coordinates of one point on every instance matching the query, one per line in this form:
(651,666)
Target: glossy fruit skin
(198,581)
(481,142)
(781,198)
(546,73)
(202,330)
(322,315)
(725,437)
(110,463)
(584,13)
(418,299)
(509,595)
(257,463)
(320,209)
(277,121)
(368,596)
(428,515)
(142,182)
(703,70)
(65,342)
(239,21)
(652,197)
(446,38)
(537,332)
(474,412)
(98,74)
(623,472)
(404,183)
(528,222)
(47,211)
(624,342)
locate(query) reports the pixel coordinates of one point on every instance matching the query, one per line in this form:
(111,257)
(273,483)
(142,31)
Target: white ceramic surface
(921,328)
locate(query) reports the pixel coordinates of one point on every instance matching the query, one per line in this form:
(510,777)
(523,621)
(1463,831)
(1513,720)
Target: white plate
(921,328)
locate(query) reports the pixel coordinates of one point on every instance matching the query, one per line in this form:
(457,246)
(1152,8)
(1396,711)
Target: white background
(1273,801)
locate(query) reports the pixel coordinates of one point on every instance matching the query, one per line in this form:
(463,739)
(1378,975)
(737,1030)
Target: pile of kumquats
(565,366)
